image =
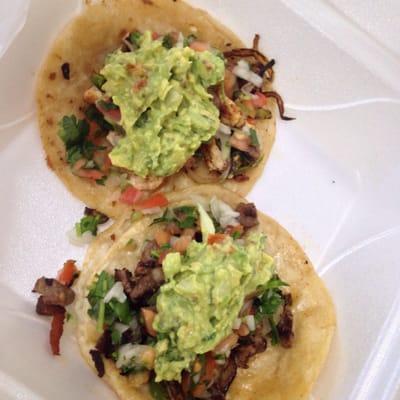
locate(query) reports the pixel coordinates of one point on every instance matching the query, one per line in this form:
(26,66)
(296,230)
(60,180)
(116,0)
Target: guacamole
(166,111)
(203,294)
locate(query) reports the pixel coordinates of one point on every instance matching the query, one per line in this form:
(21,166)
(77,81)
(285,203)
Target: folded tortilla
(277,373)
(84,43)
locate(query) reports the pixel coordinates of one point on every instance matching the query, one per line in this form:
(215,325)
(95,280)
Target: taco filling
(203,299)
(168,103)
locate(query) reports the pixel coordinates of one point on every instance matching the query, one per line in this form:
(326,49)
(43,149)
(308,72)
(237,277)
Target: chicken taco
(137,97)
(207,299)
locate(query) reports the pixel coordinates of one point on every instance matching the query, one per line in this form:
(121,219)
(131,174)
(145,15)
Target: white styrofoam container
(333,180)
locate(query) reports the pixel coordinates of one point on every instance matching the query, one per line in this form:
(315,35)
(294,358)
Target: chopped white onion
(129,352)
(250,321)
(115,195)
(246,129)
(247,88)
(116,292)
(173,240)
(82,240)
(221,361)
(121,328)
(225,129)
(128,44)
(237,323)
(134,325)
(223,213)
(243,64)
(153,210)
(243,71)
(199,200)
(196,378)
(113,137)
(179,43)
(157,274)
(114,181)
(206,223)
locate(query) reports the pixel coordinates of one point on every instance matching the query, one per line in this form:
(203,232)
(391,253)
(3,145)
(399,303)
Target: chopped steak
(249,346)
(227,375)
(94,213)
(285,328)
(139,287)
(47,309)
(143,267)
(54,292)
(104,344)
(174,390)
(248,214)
(98,362)
(287,297)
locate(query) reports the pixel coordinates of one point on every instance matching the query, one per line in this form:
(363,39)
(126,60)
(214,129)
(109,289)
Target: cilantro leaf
(106,313)
(269,303)
(98,80)
(120,310)
(189,39)
(72,131)
(157,390)
(94,115)
(88,223)
(135,38)
(107,105)
(168,42)
(74,154)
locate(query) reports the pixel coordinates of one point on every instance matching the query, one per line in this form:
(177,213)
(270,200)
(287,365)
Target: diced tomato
(199,46)
(216,238)
(157,200)
(130,195)
(89,173)
(148,317)
(251,121)
(56,331)
(114,114)
(155,35)
(66,275)
(259,100)
(93,128)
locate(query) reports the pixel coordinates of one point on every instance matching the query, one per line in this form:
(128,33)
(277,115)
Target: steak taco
(207,299)
(137,97)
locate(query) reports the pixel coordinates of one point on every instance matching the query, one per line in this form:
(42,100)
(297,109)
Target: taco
(207,299)
(142,96)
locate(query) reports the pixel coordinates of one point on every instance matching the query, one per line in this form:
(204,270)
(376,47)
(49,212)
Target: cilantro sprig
(73,131)
(110,312)
(269,303)
(184,217)
(90,222)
